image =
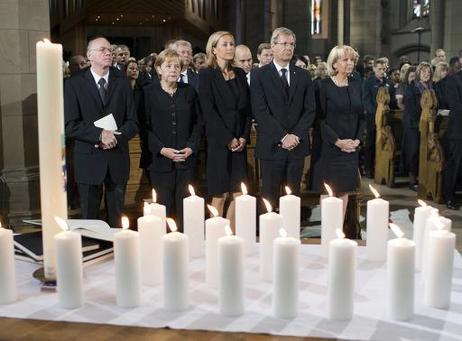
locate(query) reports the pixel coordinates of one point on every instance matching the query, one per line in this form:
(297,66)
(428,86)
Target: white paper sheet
(107,122)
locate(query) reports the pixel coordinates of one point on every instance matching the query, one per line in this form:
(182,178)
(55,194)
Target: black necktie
(285,83)
(182,78)
(102,89)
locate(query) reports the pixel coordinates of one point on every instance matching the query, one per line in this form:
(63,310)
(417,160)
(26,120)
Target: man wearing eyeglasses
(284,107)
(101,156)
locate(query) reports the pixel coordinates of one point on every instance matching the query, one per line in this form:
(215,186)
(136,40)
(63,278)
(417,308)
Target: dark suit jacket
(454,97)
(412,108)
(371,88)
(83,106)
(172,122)
(278,115)
(193,79)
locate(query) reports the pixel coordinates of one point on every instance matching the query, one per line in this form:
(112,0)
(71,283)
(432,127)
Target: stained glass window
(316,8)
(421,8)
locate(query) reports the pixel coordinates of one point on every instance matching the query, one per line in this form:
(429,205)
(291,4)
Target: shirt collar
(279,67)
(98,77)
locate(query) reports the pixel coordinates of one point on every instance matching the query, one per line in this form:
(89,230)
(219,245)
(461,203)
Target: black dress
(342,117)
(227,115)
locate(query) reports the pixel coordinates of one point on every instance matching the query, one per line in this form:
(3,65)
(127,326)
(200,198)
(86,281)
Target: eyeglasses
(291,45)
(102,49)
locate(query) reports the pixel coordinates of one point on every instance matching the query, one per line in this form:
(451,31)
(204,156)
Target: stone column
(22,24)
(452,32)
(340,22)
(437,25)
(365,26)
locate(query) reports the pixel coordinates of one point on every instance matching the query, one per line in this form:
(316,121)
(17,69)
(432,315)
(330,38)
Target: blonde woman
(225,102)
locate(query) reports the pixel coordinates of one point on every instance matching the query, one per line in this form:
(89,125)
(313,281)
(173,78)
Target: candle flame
(125,223)
(282,232)
(171,225)
(268,205)
(288,191)
(243,188)
(154,196)
(396,230)
(228,231)
(46,41)
(213,210)
(422,203)
(62,223)
(340,233)
(191,190)
(374,191)
(329,190)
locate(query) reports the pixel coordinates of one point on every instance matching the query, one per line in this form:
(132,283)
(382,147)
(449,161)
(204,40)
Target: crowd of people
(175,98)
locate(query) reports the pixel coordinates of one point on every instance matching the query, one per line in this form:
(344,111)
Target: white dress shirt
(278,67)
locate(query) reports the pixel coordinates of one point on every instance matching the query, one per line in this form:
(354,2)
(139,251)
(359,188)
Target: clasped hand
(176,155)
(347,145)
(290,141)
(237,145)
(108,139)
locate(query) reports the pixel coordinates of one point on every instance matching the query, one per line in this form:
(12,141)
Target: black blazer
(454,97)
(412,108)
(193,79)
(278,115)
(226,115)
(83,106)
(172,122)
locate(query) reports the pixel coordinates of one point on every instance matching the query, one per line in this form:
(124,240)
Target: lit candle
(400,276)
(69,267)
(127,266)
(270,223)
(8,292)
(158,209)
(341,280)
(429,227)
(289,209)
(50,106)
(175,246)
(331,219)
(286,284)
(193,223)
(151,228)
(231,274)
(377,228)
(421,214)
(146,209)
(246,220)
(214,229)
(438,276)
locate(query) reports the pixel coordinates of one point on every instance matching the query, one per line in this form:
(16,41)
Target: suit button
(174,132)
(174,123)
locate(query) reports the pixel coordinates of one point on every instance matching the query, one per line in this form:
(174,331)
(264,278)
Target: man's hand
(233,144)
(242,142)
(290,141)
(108,139)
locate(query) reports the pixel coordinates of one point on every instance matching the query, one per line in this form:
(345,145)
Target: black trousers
(453,155)
(275,173)
(171,188)
(369,145)
(90,200)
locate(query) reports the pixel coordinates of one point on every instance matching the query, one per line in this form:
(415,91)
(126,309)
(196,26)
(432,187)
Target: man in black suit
(101,156)
(453,152)
(187,75)
(284,106)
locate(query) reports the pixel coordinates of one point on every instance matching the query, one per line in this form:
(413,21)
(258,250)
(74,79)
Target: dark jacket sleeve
(327,133)
(367,96)
(309,111)
(194,139)
(454,95)
(248,108)
(412,106)
(154,142)
(361,118)
(129,127)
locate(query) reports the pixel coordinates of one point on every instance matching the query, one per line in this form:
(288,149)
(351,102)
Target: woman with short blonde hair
(339,52)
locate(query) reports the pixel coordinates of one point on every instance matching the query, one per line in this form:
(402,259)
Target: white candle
(146,209)
(175,249)
(158,209)
(270,223)
(50,106)
(246,220)
(400,276)
(214,229)
(286,284)
(341,277)
(377,228)
(151,229)
(8,292)
(289,209)
(420,218)
(127,266)
(69,267)
(438,277)
(231,274)
(430,225)
(193,223)
(331,219)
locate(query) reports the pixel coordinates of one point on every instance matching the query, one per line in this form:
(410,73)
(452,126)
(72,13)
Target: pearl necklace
(339,84)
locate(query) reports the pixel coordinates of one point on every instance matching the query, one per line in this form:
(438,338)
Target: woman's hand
(242,142)
(169,153)
(233,144)
(183,154)
(347,145)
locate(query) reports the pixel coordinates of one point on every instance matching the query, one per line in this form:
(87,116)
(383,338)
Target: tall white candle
(331,219)
(214,229)
(193,223)
(341,277)
(231,274)
(438,277)
(246,220)
(286,286)
(151,228)
(127,266)
(8,293)
(377,228)
(421,214)
(270,223)
(158,209)
(400,276)
(289,209)
(69,267)
(50,105)
(430,226)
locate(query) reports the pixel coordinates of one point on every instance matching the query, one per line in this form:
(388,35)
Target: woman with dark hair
(132,72)
(225,102)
